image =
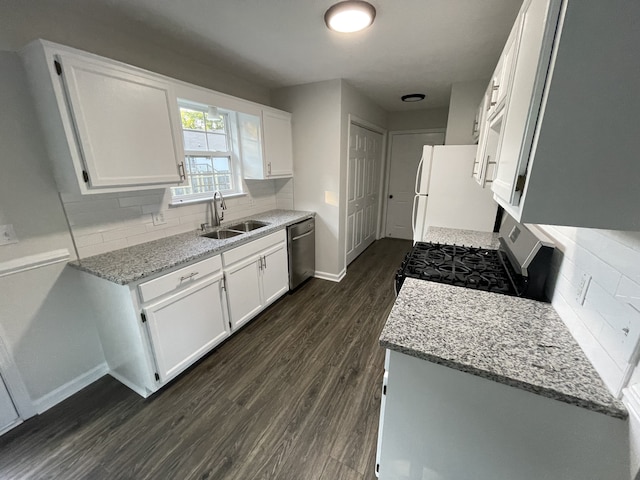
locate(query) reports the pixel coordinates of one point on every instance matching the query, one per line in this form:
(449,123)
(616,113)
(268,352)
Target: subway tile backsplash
(606,325)
(105,222)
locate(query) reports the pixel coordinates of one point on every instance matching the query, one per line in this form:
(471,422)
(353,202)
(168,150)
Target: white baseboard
(143,392)
(331,276)
(74,386)
(9,427)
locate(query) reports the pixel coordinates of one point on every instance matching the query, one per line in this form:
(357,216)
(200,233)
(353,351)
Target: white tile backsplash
(606,326)
(105,222)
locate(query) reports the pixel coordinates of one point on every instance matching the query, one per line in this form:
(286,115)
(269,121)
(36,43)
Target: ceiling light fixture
(350,16)
(413,97)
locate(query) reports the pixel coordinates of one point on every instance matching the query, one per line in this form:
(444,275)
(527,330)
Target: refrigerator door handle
(413,215)
(419,175)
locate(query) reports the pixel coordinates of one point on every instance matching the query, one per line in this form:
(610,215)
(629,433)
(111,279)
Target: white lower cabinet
(438,422)
(153,330)
(186,325)
(256,275)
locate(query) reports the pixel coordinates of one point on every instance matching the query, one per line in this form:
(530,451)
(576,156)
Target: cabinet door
(243,291)
(250,136)
(514,149)
(126,123)
(278,144)
(185,326)
(275,273)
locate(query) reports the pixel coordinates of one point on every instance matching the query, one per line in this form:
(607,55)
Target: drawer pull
(187,277)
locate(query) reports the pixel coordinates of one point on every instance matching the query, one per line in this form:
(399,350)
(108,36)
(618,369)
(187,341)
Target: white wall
(418,119)
(316,162)
(51,339)
(465,98)
(320,151)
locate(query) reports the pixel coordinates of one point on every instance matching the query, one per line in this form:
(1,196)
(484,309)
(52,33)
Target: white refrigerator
(447,194)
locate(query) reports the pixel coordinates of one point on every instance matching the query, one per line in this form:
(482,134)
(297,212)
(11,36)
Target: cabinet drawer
(179,279)
(252,248)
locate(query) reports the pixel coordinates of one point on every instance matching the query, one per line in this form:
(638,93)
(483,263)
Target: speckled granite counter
(133,263)
(518,342)
(468,238)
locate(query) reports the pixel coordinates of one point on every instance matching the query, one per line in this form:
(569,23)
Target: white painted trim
(65,391)
(631,400)
(10,426)
(332,277)
(13,381)
(143,392)
(33,261)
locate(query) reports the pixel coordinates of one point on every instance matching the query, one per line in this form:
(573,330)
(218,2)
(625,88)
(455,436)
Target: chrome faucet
(218,217)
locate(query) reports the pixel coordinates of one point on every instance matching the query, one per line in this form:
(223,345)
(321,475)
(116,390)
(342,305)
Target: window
(209,154)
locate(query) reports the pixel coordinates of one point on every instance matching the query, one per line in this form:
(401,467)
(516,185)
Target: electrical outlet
(583,286)
(7,235)
(158,218)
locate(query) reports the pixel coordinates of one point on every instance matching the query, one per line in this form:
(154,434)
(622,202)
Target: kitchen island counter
(133,263)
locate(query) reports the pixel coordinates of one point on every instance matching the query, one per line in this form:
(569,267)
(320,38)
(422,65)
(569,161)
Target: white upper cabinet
(266,143)
(110,127)
(568,142)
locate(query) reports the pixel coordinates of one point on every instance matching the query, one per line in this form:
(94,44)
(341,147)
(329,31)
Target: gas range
(519,267)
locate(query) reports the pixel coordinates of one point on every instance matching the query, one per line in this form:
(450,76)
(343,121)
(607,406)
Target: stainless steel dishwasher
(301,243)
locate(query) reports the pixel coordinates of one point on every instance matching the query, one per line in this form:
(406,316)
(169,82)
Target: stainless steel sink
(247,226)
(222,234)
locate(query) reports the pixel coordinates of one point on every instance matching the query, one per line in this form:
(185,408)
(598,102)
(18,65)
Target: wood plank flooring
(293,395)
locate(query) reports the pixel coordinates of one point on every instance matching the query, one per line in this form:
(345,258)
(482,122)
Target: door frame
(360,122)
(383,212)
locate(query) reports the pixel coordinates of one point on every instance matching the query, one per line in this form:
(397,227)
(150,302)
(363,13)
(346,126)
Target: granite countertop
(515,341)
(139,261)
(453,236)
(519,342)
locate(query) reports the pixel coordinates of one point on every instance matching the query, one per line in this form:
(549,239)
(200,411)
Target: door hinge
(520,181)
(157,377)
(144,317)
(85,176)
(223,284)
(58,67)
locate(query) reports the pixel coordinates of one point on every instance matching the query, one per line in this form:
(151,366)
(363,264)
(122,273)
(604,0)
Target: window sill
(203,200)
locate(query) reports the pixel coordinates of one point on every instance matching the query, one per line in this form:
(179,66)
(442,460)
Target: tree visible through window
(208,155)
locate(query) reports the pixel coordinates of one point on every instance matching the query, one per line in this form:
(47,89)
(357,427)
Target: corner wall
(49,330)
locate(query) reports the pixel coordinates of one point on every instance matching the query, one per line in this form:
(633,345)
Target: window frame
(233,154)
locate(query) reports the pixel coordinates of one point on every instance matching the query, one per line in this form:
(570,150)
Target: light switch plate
(7,235)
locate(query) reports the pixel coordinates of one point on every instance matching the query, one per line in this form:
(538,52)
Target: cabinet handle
(187,277)
(181,172)
(269,168)
(265,262)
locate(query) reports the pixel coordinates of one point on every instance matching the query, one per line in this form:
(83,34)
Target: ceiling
(414,46)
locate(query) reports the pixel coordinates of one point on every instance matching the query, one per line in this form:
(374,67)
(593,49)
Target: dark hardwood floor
(293,395)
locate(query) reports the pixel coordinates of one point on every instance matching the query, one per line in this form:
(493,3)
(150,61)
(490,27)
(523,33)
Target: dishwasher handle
(303,235)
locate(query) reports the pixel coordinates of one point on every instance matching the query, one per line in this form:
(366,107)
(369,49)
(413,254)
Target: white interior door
(405,154)
(365,160)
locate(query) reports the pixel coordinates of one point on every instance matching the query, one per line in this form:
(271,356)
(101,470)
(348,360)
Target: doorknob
(390,196)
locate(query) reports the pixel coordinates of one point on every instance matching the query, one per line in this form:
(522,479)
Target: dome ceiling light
(413,97)
(350,16)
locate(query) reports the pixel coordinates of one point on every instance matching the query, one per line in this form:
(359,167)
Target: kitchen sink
(247,226)
(222,234)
